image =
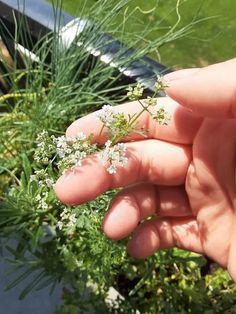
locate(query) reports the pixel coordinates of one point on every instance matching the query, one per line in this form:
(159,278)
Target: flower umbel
(72,151)
(67,221)
(42,177)
(113,156)
(136,92)
(42,201)
(106,115)
(45,148)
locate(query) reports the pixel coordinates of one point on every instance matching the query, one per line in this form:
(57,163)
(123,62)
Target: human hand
(184,173)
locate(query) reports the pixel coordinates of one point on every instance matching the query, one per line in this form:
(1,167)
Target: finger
(180,74)
(148,161)
(165,233)
(210,91)
(138,202)
(181,128)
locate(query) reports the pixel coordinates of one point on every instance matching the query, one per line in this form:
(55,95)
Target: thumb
(209,91)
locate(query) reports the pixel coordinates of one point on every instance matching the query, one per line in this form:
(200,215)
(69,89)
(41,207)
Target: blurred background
(211,40)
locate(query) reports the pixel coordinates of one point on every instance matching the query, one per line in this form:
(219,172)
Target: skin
(182,174)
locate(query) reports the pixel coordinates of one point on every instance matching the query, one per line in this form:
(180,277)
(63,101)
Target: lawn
(210,41)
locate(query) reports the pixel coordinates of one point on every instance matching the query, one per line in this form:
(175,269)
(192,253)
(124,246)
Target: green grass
(209,42)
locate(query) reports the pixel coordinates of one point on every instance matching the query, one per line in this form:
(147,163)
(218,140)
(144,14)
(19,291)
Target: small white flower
(76,146)
(43,204)
(45,194)
(106,115)
(72,220)
(61,142)
(61,146)
(59,225)
(111,169)
(37,158)
(67,220)
(76,158)
(41,136)
(64,214)
(33,177)
(45,160)
(40,144)
(113,156)
(49,182)
(68,151)
(41,201)
(38,198)
(42,178)
(80,136)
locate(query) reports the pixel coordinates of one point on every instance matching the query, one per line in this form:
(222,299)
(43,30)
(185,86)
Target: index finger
(181,128)
(153,161)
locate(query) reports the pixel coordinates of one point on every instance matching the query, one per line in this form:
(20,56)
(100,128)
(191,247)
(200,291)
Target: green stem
(102,128)
(11,174)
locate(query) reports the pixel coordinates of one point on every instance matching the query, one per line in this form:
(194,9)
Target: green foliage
(208,42)
(82,258)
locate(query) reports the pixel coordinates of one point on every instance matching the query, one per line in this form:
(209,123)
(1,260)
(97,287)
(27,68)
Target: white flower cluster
(65,146)
(72,150)
(41,200)
(113,156)
(61,146)
(106,115)
(68,220)
(136,92)
(116,122)
(42,177)
(45,148)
